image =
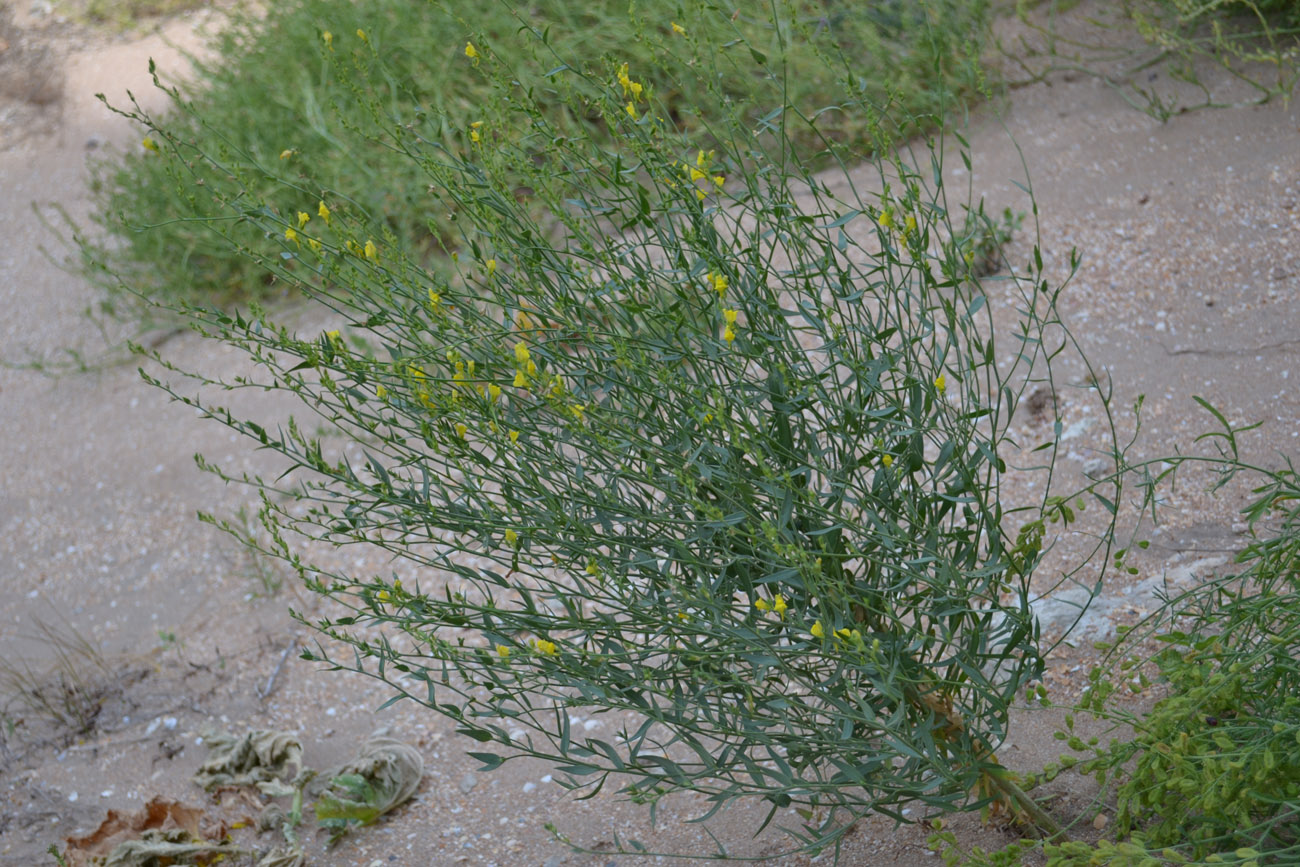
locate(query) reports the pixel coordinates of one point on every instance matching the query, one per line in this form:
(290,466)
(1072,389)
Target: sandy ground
(1189,284)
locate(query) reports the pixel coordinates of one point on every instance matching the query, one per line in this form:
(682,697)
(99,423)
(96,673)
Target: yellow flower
(678,29)
(434,299)
(703,160)
(592,568)
(381,392)
(578,410)
(696,174)
(941,383)
(729,335)
(461,429)
(719,283)
(333,337)
(314,244)
(630,87)
(778,605)
(361,34)
(521,352)
(817,631)
(471,52)
(328,39)
(473,132)
(909,225)
(547,647)
(514,437)
(291,235)
(149,144)
(631,111)
(286,153)
(512,538)
(761,604)
(494,392)
(886,218)
(503,651)
(730,316)
(371,251)
(491,266)
(303,217)
(718,181)
(521,381)
(324,213)
(887,460)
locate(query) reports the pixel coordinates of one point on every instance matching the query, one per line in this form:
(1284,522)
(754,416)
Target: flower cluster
(633,91)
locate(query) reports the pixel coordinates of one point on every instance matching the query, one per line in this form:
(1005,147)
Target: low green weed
(277,96)
(1211,773)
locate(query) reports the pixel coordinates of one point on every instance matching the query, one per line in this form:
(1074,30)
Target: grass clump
(277,97)
(60,696)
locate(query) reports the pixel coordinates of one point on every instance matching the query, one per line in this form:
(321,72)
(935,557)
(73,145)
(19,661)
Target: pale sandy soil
(1190,284)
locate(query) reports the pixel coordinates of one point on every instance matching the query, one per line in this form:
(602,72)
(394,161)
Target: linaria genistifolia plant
(708,438)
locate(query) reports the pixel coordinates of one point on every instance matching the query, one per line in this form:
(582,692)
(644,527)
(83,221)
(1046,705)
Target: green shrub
(690,435)
(276,110)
